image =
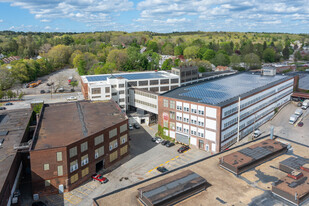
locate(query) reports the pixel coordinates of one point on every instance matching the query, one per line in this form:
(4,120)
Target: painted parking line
(87,188)
(73,199)
(81,192)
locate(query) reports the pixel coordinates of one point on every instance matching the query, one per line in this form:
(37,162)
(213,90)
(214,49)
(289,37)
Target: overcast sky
(155,15)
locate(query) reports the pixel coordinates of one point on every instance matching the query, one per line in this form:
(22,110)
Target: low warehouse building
(172,190)
(75,140)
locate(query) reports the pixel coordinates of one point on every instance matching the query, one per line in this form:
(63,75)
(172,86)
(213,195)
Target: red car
(184,148)
(100,178)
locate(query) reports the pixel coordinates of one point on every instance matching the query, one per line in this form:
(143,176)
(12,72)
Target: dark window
(188,73)
(173,81)
(154,82)
(121,100)
(121,92)
(107,90)
(143,83)
(164,89)
(173,87)
(154,89)
(96,90)
(114,86)
(121,85)
(164,81)
(114,94)
(132,84)
(182,74)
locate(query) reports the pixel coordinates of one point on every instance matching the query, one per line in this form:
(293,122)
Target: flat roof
(225,90)
(66,123)
(252,187)
(303,80)
(129,76)
(13,123)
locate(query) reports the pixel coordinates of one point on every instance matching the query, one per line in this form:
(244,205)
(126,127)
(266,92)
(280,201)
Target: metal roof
(304,81)
(131,76)
(225,90)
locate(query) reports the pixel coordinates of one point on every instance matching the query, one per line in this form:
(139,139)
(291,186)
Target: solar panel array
(170,185)
(294,163)
(130,76)
(220,90)
(255,153)
(304,81)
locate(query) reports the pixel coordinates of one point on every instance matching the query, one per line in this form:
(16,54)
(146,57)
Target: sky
(164,16)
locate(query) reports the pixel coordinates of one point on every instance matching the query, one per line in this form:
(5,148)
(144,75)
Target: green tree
(118,57)
(74,84)
(286,52)
(191,52)
(269,55)
(81,68)
(252,61)
(209,54)
(107,68)
(10,94)
(201,69)
(168,49)
(235,61)
(221,59)
(59,55)
(178,50)
(167,64)
(152,45)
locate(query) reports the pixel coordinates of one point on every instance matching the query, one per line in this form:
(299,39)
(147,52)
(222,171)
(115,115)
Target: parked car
(184,148)
(42,91)
(300,124)
(154,139)
(61,89)
(39,203)
(170,144)
(162,169)
(130,127)
(2,108)
(257,133)
(164,142)
(159,140)
(47,91)
(71,98)
(136,126)
(99,178)
(8,103)
(299,104)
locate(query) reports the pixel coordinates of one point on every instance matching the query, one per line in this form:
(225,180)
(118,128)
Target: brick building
(75,140)
(205,114)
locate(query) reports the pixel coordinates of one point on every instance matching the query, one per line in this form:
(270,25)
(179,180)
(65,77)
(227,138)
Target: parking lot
(145,156)
(283,128)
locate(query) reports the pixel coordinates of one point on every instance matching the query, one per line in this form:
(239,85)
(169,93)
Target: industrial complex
(213,115)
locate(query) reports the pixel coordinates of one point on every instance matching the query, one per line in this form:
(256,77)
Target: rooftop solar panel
(304,81)
(221,91)
(255,153)
(130,76)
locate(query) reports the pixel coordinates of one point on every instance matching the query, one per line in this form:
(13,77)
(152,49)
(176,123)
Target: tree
(221,59)
(269,55)
(252,61)
(6,78)
(107,68)
(168,49)
(191,52)
(201,70)
(88,60)
(286,52)
(81,68)
(10,94)
(167,64)
(235,61)
(209,54)
(74,84)
(297,55)
(20,96)
(59,55)
(152,45)
(118,57)
(178,50)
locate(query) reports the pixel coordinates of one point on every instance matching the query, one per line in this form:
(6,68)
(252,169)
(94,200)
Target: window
(165,102)
(200,123)
(112,133)
(200,112)
(172,125)
(73,166)
(124,150)
(172,115)
(46,167)
(99,152)
(84,147)
(121,100)
(114,86)
(114,94)
(124,139)
(179,107)
(165,123)
(47,183)
(193,111)
(185,130)
(193,121)
(85,160)
(131,84)
(121,85)
(174,81)
(164,81)
(113,156)
(113,145)
(60,170)
(143,83)
(164,88)
(186,109)
(85,171)
(123,128)
(73,152)
(154,89)
(98,140)
(172,104)
(154,82)
(107,90)
(121,92)
(74,178)
(96,90)
(59,156)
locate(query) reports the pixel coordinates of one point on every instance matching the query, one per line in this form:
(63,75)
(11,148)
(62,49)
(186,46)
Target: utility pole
(238,119)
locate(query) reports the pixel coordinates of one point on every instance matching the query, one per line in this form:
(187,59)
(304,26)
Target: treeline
(105,52)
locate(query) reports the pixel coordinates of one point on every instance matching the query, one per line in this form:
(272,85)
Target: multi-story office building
(186,73)
(73,141)
(117,86)
(212,115)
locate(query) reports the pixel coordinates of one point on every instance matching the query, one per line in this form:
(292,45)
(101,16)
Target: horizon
(81,16)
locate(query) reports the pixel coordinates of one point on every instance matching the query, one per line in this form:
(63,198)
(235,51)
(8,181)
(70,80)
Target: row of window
(186,131)
(145,94)
(145,103)
(171,104)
